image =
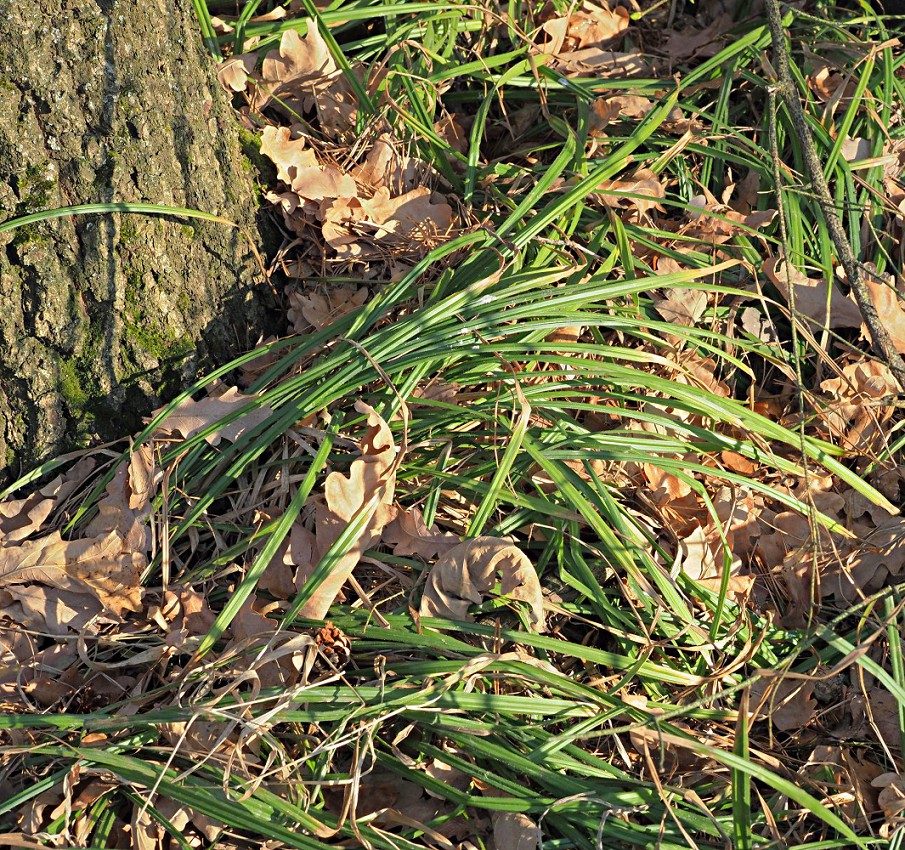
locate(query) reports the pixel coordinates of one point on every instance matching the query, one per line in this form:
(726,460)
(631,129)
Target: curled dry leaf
(233,72)
(303,75)
(759,325)
(191,416)
(468,572)
(831,86)
(56,585)
(385,167)
(814,299)
(294,72)
(367,489)
(298,167)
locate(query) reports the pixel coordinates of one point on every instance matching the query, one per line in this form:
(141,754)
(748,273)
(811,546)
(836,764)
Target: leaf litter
(357,200)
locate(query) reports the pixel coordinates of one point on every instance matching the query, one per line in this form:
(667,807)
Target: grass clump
(625,355)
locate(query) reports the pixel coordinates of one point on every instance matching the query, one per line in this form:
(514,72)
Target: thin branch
(787,89)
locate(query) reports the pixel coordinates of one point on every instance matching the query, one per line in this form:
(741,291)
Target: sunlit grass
(545,723)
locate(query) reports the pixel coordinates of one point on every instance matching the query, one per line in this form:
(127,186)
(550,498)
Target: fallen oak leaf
(364,495)
(296,72)
(890,309)
(320,311)
(811,301)
(468,572)
(303,75)
(403,216)
(682,306)
(644,183)
(20,518)
(298,167)
(408,534)
(290,155)
(787,703)
(100,565)
(233,72)
(191,416)
(385,167)
(854,412)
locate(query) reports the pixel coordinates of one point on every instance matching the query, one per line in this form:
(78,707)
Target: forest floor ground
(566,514)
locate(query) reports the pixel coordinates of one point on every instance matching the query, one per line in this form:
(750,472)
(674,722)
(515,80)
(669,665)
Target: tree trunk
(101,316)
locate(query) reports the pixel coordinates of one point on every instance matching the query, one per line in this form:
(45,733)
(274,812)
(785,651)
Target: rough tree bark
(101,316)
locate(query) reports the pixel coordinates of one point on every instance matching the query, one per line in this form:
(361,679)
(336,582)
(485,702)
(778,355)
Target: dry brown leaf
(233,72)
(811,296)
(126,503)
(590,25)
(251,620)
(302,75)
(701,555)
(682,306)
(50,610)
(385,167)
(684,43)
(191,416)
(665,487)
(892,794)
(355,227)
(890,309)
(296,70)
(101,566)
(408,535)
(20,518)
(312,309)
(869,564)
(290,155)
(368,489)
(513,831)
(644,183)
(854,413)
(408,215)
(759,325)
(830,85)
(853,150)
(468,572)
(452,132)
(436,390)
(594,61)
(786,702)
(715,223)
(298,167)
